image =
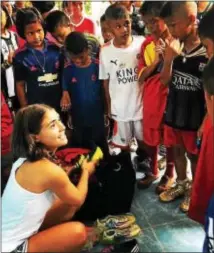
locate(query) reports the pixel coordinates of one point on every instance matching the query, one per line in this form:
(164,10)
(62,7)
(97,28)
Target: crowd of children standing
(155,84)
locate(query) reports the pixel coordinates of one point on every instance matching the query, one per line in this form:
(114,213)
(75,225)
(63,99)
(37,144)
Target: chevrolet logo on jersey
(48,78)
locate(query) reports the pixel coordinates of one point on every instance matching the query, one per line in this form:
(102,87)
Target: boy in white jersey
(118,69)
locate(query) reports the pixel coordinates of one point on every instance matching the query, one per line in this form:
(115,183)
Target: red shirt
(154,92)
(203,185)
(6,126)
(85,26)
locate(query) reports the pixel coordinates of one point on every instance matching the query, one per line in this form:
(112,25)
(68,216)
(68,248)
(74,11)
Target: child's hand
(89,166)
(173,49)
(65,102)
(160,48)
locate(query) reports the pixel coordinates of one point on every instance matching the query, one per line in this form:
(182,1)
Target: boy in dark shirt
(37,64)
(83,90)
(184,61)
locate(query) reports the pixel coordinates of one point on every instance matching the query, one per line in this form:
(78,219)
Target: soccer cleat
(115,222)
(116,236)
(174,192)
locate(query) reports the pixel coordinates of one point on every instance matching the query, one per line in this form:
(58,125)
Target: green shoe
(115,222)
(115,236)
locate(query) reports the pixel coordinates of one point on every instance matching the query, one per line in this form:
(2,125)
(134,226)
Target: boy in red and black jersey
(154,93)
(184,62)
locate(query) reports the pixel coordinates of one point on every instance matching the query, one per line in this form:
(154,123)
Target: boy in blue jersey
(83,90)
(37,64)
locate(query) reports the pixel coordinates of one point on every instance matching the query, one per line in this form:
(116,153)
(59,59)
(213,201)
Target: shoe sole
(168,201)
(182,210)
(146,186)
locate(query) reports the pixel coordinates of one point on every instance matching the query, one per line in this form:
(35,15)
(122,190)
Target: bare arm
(60,184)
(20,89)
(147,71)
(173,49)
(166,72)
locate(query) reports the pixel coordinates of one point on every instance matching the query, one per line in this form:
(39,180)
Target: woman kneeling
(39,198)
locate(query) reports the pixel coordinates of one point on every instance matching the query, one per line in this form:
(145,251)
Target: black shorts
(21,248)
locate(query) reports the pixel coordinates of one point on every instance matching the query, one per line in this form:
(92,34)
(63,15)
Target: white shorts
(124,132)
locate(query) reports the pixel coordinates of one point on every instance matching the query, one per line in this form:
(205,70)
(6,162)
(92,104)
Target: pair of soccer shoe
(117,229)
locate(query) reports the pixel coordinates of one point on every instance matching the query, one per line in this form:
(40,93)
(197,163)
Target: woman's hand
(89,166)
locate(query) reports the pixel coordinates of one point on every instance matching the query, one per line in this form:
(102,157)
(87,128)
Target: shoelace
(187,197)
(175,190)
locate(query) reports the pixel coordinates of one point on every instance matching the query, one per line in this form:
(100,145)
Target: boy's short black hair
(103,18)
(27,16)
(208,77)
(76,43)
(43,6)
(64,4)
(115,12)
(205,28)
(170,8)
(54,19)
(152,8)
(9,21)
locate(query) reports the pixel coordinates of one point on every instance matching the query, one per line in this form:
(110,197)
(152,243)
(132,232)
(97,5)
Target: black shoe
(145,165)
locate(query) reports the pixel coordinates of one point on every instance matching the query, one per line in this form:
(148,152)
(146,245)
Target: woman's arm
(59,182)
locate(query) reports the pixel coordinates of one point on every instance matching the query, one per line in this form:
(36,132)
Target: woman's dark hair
(64,4)
(54,19)
(9,21)
(27,123)
(76,43)
(27,16)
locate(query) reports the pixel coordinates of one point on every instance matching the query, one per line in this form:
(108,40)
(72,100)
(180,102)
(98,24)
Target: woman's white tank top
(22,211)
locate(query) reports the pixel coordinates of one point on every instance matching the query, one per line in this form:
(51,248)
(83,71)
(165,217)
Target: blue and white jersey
(85,90)
(40,72)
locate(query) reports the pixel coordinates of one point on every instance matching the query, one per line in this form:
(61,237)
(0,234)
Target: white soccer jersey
(120,66)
